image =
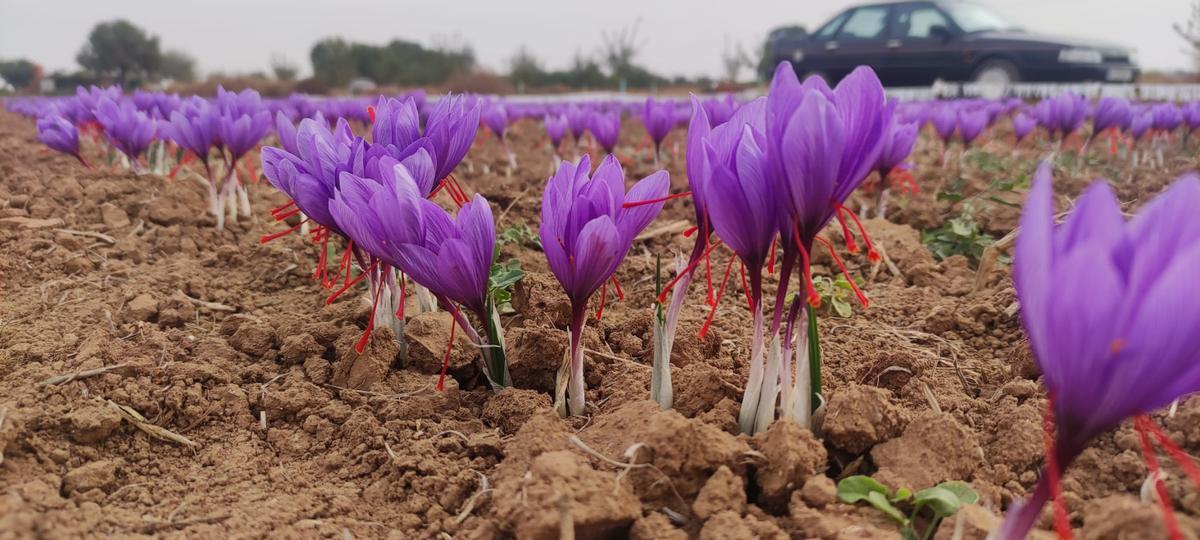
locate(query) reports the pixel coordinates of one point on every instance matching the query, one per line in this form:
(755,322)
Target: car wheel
(996,72)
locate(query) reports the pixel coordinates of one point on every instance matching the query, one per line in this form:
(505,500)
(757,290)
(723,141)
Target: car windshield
(976,18)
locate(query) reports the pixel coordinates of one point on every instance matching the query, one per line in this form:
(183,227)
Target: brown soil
(258,419)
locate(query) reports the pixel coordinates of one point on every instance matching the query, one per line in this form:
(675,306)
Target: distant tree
(619,49)
(120,50)
(336,62)
(1190,32)
(332,62)
(20,73)
(733,59)
(585,72)
(283,68)
(178,66)
(526,70)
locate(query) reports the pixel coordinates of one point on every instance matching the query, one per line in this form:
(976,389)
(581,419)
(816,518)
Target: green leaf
(881,503)
(856,488)
(942,501)
(947,196)
(841,307)
(962,490)
(902,494)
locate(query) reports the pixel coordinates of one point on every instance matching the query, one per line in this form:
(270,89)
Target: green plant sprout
(958,236)
(941,501)
(501,279)
(835,292)
(520,235)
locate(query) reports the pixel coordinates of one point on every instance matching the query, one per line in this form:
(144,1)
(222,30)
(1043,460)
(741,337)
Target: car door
(923,46)
(861,41)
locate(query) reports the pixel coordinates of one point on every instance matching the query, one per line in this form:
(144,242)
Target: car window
(915,22)
(831,26)
(865,23)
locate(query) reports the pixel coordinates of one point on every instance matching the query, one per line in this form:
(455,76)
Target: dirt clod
(934,448)
(792,456)
(858,417)
(722,492)
(510,408)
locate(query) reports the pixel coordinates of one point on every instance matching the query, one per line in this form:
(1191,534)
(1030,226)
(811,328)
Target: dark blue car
(917,43)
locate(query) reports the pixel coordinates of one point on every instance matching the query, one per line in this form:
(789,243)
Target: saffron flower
(495,117)
(392,219)
(586,231)
(556,129)
(606,128)
(821,146)
(659,119)
(1023,125)
(897,146)
(1110,309)
(127,129)
(60,135)
(971,125)
(451,129)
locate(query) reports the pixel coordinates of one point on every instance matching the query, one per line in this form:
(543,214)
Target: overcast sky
(679,36)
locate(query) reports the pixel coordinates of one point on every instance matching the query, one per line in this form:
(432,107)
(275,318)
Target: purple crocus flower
(821,145)
(60,135)
(586,232)
(659,119)
(1191,115)
(1167,117)
(392,219)
(556,129)
(243,122)
(194,127)
(719,110)
(577,120)
(1111,113)
(606,128)
(397,124)
(945,121)
(1109,307)
(1141,124)
(495,117)
(1023,125)
(451,129)
(897,146)
(128,129)
(971,125)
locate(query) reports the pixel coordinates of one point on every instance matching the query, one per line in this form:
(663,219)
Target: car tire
(996,71)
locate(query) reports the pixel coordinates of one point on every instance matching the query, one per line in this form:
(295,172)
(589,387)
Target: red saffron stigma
(283,207)
(362,341)
(771,259)
(1164,500)
(708,320)
(1062,524)
(662,296)
(872,255)
(746,287)
(351,283)
(284,215)
(688,232)
(1181,458)
(603,297)
(371,112)
(617,284)
(814,299)
(631,204)
(708,280)
(851,245)
(186,158)
(862,298)
(441,384)
(269,237)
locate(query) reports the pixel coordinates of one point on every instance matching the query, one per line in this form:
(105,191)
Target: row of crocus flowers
(1107,303)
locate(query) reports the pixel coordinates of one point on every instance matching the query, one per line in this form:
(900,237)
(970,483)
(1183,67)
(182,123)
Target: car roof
(901,2)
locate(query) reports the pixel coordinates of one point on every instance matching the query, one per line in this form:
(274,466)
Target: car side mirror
(941,33)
